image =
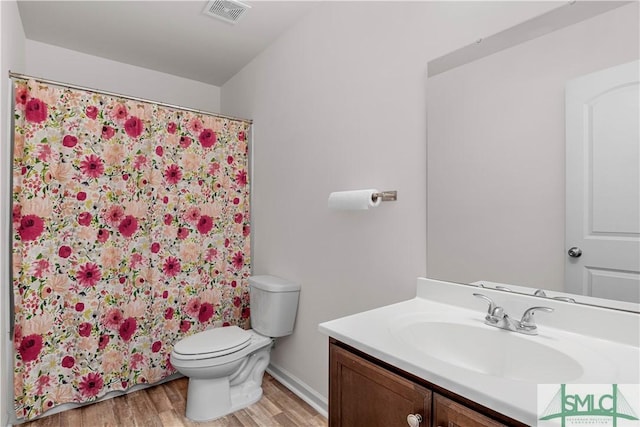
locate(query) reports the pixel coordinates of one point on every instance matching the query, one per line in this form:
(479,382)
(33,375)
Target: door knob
(414,420)
(575,252)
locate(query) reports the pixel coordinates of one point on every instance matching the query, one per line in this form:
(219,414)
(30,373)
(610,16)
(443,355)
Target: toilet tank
(274,303)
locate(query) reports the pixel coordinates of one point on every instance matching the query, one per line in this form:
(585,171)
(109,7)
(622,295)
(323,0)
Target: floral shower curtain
(130,231)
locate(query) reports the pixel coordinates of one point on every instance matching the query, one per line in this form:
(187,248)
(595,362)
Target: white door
(603,184)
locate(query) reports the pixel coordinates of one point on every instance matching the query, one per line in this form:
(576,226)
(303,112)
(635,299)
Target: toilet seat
(212,343)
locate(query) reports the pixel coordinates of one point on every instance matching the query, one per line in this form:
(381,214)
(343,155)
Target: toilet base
(200,404)
(211,399)
(208,399)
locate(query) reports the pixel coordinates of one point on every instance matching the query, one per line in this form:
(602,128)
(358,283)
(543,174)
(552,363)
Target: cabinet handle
(414,420)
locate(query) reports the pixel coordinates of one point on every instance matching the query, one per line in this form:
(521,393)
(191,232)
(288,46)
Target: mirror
(497,163)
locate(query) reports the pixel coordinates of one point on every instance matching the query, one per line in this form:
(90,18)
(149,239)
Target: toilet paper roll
(353,200)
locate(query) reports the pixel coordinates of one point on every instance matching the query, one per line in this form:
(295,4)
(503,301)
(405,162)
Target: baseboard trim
(300,389)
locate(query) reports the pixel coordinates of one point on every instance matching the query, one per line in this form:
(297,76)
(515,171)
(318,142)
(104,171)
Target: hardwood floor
(164,405)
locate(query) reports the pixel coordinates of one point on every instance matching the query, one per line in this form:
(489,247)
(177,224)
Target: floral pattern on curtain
(130,231)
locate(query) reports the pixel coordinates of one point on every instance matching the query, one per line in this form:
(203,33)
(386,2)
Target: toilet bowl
(222,380)
(225,365)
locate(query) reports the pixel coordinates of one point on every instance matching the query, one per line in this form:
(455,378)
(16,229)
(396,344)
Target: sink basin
(488,350)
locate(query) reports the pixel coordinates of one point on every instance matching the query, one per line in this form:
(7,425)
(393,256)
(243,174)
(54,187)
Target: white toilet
(225,365)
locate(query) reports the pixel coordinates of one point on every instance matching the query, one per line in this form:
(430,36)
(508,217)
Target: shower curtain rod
(132,98)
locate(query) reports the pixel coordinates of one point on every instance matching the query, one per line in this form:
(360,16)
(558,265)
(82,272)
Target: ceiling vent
(227,10)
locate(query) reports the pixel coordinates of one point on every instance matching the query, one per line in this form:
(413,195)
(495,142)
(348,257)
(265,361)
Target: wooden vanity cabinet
(366,392)
(447,413)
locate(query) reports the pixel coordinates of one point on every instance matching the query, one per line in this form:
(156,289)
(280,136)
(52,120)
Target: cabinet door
(447,413)
(364,394)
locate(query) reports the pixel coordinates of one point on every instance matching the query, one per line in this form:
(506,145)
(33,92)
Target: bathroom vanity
(433,361)
(367,391)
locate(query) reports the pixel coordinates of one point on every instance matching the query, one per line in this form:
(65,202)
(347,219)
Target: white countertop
(375,332)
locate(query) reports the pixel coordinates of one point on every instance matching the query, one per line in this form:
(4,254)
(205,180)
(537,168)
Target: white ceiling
(173,37)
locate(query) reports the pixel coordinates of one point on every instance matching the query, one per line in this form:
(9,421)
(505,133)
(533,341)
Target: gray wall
(338,103)
(68,66)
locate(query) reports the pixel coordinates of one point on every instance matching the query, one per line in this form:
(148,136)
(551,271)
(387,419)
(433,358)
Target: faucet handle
(494,313)
(492,305)
(527,322)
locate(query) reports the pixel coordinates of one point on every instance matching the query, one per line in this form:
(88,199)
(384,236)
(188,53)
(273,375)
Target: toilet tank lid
(273,284)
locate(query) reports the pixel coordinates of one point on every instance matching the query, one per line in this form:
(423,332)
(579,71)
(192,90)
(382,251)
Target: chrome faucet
(498,318)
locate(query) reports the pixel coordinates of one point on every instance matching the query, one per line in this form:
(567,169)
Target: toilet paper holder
(359,199)
(385,196)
